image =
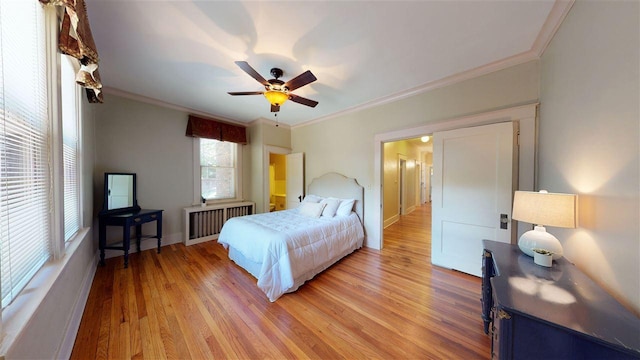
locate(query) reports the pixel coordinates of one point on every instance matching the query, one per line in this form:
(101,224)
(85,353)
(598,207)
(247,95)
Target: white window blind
(24,148)
(218,169)
(70,149)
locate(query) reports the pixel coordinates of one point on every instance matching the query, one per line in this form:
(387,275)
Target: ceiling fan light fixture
(275,97)
(277,91)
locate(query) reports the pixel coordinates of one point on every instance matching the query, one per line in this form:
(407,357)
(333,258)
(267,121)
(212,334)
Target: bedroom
(586,82)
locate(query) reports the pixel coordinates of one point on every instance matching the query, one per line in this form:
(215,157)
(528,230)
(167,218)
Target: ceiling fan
(276,90)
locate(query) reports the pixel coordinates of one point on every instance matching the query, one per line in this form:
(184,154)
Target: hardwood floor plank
(149,349)
(88,333)
(287,346)
(194,303)
(134,317)
(159,317)
(113,351)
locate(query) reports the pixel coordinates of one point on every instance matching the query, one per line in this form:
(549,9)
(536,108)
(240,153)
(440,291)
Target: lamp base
(539,238)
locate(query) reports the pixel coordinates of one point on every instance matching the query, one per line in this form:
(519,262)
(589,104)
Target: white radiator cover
(203,223)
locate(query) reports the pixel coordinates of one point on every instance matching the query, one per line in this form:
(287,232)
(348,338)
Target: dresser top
(562,296)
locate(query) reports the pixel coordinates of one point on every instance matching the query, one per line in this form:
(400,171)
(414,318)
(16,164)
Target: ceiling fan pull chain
(276,116)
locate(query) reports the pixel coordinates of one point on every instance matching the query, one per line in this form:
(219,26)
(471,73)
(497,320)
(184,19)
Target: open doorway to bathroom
(277,182)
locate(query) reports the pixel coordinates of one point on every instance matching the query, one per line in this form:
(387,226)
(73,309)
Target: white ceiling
(182,53)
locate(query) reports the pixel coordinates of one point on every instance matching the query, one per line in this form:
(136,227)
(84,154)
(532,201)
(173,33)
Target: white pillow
(312,210)
(312,198)
(345,208)
(331,208)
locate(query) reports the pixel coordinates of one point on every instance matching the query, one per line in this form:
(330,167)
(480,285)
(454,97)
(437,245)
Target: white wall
(345,144)
(589,135)
(148,140)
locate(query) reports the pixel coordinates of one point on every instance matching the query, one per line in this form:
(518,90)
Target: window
(38,145)
(70,151)
(25,235)
(219,169)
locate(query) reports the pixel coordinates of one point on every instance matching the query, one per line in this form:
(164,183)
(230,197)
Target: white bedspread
(290,247)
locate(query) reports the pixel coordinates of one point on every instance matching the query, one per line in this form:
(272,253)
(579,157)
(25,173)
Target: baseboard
(201,240)
(76,317)
(390,221)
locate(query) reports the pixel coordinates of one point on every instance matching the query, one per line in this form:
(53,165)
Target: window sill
(19,313)
(220,202)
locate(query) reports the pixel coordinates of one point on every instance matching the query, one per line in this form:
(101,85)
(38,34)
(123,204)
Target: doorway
(277,182)
(290,185)
(402,186)
(269,185)
(526,117)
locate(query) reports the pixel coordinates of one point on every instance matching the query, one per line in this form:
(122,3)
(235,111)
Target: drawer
(145,218)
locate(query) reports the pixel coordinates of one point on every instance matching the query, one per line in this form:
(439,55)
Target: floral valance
(76,40)
(213,129)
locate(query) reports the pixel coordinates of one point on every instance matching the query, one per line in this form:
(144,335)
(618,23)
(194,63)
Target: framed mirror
(120,193)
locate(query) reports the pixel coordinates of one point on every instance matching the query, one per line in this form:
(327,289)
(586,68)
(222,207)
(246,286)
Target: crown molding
(551,25)
(156,102)
(449,80)
(556,16)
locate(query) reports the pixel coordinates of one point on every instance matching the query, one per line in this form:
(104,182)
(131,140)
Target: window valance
(76,40)
(212,129)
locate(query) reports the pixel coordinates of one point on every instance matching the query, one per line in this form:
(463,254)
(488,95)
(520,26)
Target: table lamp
(544,208)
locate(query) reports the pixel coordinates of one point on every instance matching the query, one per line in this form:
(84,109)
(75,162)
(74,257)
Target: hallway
(411,233)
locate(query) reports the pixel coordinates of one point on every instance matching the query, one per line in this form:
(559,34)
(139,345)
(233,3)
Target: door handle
(504,221)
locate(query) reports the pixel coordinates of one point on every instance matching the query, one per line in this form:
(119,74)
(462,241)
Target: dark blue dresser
(534,312)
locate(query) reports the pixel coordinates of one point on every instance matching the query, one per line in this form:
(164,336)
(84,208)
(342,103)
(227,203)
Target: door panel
(295,179)
(472,187)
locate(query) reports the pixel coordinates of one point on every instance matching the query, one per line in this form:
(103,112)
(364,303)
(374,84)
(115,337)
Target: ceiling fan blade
(234,93)
(303,101)
(254,74)
(301,80)
(275,108)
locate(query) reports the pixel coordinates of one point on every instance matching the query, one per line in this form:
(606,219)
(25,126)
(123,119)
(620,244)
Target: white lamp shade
(543,208)
(546,209)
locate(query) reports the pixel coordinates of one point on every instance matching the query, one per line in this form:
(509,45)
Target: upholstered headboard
(339,186)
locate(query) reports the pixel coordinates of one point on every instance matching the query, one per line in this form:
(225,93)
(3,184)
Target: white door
(295,179)
(473,176)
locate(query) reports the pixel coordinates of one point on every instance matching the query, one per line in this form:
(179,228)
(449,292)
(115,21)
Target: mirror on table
(119,191)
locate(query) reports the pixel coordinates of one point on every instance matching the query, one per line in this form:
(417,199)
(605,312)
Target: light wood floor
(193,302)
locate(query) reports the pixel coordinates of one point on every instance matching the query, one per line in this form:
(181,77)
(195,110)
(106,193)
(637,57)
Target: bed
(284,249)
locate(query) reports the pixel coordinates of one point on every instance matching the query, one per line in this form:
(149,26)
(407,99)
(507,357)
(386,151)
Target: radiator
(204,223)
